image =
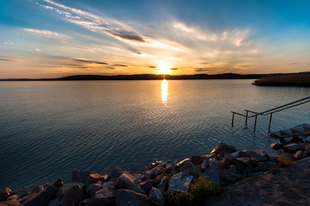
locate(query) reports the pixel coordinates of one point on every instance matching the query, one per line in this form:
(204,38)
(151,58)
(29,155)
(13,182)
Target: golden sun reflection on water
(164,91)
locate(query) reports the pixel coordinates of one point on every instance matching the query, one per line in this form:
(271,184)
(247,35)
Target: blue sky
(54,38)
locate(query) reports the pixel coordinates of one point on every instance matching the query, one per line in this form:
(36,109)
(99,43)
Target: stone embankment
(225,165)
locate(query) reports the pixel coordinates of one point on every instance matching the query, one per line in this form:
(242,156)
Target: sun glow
(163,69)
(164,91)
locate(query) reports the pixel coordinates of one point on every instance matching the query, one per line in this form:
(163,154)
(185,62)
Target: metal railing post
(255,123)
(232,121)
(246,119)
(269,122)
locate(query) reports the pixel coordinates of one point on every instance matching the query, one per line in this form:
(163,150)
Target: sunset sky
(56,38)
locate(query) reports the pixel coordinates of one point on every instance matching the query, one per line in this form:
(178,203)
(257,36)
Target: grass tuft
(199,192)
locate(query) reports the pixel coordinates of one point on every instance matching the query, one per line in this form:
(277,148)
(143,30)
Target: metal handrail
(269,112)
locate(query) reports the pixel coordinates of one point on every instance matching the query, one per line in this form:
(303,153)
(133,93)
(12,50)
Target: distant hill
(154,77)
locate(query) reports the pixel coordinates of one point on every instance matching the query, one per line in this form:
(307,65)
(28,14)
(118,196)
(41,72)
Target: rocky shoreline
(223,166)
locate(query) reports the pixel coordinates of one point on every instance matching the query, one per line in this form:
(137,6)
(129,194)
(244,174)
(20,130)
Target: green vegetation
(283,160)
(199,192)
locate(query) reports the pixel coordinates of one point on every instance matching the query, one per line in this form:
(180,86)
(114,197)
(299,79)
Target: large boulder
(11,198)
(26,198)
(264,166)
(189,169)
(231,177)
(80,176)
(93,188)
(196,160)
(258,157)
(114,174)
(223,148)
(293,147)
(5,193)
(300,155)
(38,189)
(58,183)
(151,174)
(135,187)
(244,160)
(182,162)
(66,187)
(10,203)
(276,145)
(125,180)
(127,197)
(92,178)
(156,197)
(225,162)
(146,185)
(72,197)
(44,197)
(171,168)
(180,182)
(205,165)
(105,196)
(216,166)
(163,184)
(157,180)
(212,176)
(54,202)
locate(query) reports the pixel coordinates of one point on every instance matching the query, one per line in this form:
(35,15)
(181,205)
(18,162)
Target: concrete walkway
(285,187)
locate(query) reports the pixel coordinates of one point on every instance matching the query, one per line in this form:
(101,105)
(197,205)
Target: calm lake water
(48,129)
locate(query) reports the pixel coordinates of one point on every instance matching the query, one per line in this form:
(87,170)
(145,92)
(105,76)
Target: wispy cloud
(173,69)
(96,23)
(45,33)
(38,50)
(293,63)
(90,61)
(120,65)
(7,43)
(7,59)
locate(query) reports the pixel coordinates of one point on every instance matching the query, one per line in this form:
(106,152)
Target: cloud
(153,67)
(45,33)
(91,61)
(293,63)
(38,50)
(7,59)
(7,43)
(203,69)
(97,24)
(109,67)
(120,65)
(175,58)
(173,69)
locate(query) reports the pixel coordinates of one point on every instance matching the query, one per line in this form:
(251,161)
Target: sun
(163,69)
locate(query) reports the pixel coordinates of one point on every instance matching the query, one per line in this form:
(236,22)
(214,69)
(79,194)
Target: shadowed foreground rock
(285,186)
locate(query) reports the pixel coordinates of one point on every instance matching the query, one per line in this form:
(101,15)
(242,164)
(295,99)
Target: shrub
(199,192)
(284,161)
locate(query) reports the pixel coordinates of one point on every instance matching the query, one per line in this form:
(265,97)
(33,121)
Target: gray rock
(163,184)
(93,188)
(232,168)
(216,166)
(156,197)
(180,182)
(72,196)
(212,176)
(293,147)
(146,185)
(258,157)
(127,197)
(93,178)
(225,163)
(151,174)
(38,189)
(244,160)
(264,166)
(276,145)
(229,176)
(244,153)
(11,198)
(157,180)
(307,148)
(85,201)
(80,176)
(44,197)
(274,158)
(125,180)
(256,174)
(54,202)
(105,196)
(181,163)
(189,169)
(171,169)
(300,155)
(223,148)
(115,173)
(196,160)
(213,155)
(66,187)
(58,183)
(27,198)
(239,165)
(205,165)
(135,187)
(24,194)
(303,146)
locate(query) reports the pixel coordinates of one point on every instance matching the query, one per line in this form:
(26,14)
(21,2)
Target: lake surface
(49,129)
